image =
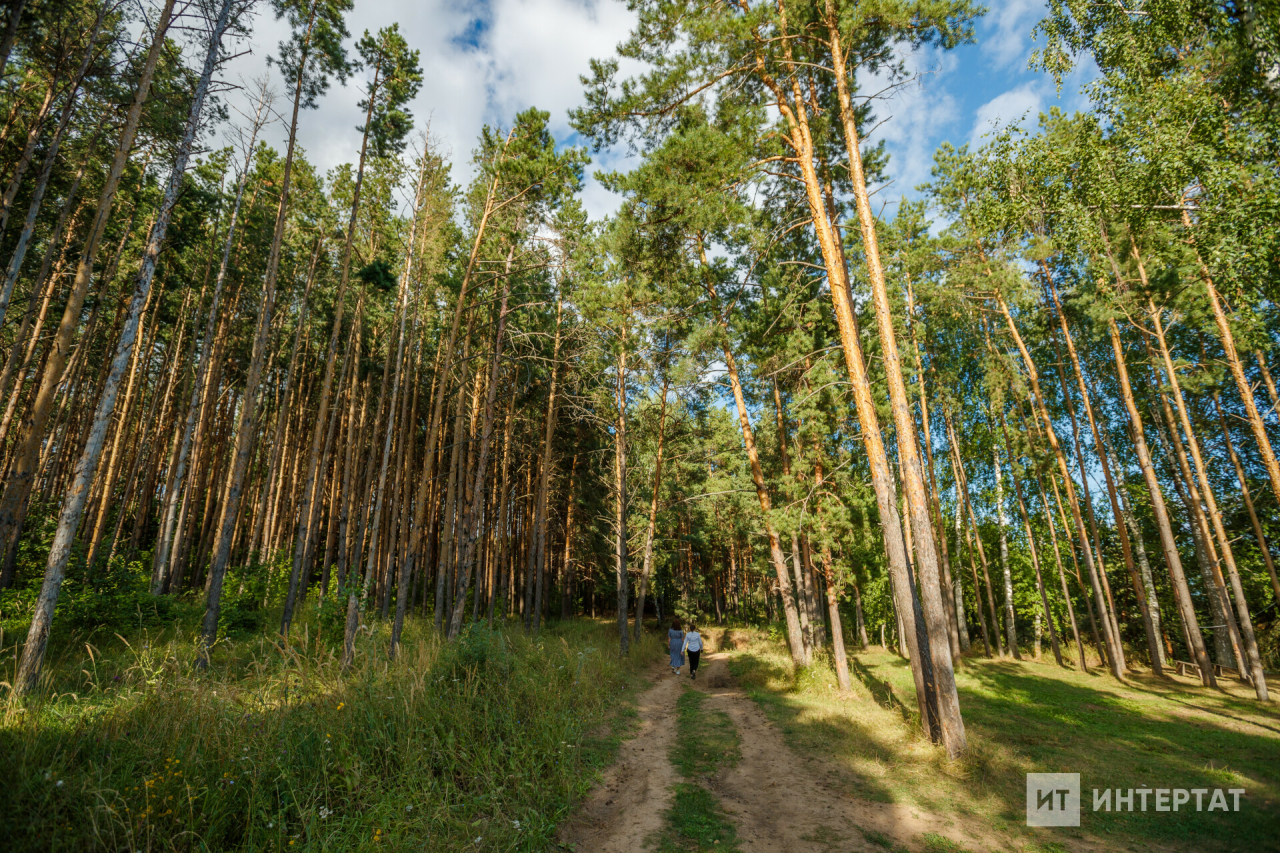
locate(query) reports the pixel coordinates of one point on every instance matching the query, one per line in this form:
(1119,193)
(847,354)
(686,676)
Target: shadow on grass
(881,691)
(1024,717)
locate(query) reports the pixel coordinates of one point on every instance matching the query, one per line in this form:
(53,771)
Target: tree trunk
(951,725)
(46,170)
(1180,589)
(471,523)
(620,502)
(542,546)
(795,635)
(653,514)
(1248,499)
(1031,545)
(1253,660)
(1011,634)
(73,503)
(1115,654)
(27,453)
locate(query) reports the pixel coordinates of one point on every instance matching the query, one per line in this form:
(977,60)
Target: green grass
(1034,717)
(706,741)
(876,837)
(486,743)
(696,823)
(935,843)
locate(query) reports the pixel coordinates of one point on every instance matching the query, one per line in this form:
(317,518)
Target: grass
(485,743)
(706,741)
(1033,717)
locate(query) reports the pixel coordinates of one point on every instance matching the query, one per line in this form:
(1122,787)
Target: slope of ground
(1026,717)
(819,772)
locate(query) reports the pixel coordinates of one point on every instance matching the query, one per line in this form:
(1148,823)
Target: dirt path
(629,805)
(778,800)
(781,801)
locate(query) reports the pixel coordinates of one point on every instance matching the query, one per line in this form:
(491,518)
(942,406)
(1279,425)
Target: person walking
(693,645)
(675,645)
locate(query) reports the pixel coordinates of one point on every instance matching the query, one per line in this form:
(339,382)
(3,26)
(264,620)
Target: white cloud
(908,119)
(482,63)
(1018,106)
(1009,38)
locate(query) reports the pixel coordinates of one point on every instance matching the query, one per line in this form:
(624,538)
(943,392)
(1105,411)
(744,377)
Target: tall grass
(484,743)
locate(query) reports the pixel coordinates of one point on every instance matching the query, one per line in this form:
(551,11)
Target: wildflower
(341,705)
(408,808)
(271,825)
(516,824)
(59,783)
(325,811)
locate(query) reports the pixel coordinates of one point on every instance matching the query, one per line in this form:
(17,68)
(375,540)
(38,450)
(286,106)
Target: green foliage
(277,748)
(377,274)
(397,77)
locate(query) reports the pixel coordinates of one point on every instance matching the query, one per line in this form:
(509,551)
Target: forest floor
(811,770)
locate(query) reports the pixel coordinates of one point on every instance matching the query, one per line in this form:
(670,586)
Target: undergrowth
(484,743)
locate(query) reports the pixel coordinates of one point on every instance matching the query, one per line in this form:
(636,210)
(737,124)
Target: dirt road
(779,801)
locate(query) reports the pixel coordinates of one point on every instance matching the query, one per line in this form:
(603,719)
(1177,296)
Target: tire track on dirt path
(778,799)
(630,804)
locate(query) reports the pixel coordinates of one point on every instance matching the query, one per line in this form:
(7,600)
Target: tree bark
(82,478)
(21,479)
(647,569)
(1182,592)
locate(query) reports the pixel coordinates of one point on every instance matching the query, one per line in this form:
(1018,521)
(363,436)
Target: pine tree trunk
(795,635)
(305,531)
(1252,659)
(647,569)
(963,485)
(950,722)
(471,525)
(46,170)
(1062,576)
(1248,499)
(620,499)
(544,479)
(1181,591)
(799,139)
(1031,545)
(1115,655)
(1147,604)
(1011,634)
(21,478)
(73,503)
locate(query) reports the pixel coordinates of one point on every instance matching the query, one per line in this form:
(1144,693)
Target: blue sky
(485,61)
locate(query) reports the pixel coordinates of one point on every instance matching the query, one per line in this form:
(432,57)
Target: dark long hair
(675,625)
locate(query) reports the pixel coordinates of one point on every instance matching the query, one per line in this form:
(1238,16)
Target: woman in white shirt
(693,645)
